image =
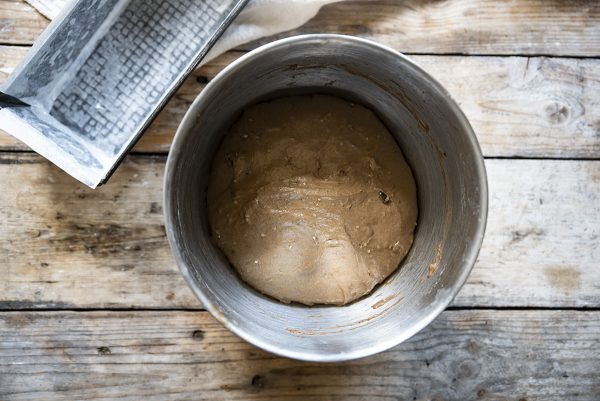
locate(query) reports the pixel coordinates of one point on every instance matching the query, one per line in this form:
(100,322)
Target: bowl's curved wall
(437,142)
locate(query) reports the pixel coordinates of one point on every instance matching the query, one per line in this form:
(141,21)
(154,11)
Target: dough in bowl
(311,200)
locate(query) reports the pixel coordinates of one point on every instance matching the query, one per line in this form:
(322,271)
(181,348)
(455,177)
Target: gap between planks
(164,155)
(194,310)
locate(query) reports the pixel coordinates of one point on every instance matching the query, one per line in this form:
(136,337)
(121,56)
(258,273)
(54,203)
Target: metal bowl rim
(440,304)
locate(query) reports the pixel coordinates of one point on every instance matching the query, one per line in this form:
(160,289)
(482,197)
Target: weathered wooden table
(93,306)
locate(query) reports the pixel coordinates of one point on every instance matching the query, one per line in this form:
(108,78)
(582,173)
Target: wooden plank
(526,107)
(10,56)
(66,246)
(541,243)
(463,355)
(527,27)
(519,106)
(516,27)
(20,24)
(48,8)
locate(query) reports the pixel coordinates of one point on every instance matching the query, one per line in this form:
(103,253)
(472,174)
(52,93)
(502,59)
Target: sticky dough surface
(311,199)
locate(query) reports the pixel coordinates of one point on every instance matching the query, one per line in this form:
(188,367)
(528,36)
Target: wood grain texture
(543,231)
(66,246)
(506,27)
(10,56)
(48,8)
(463,355)
(526,107)
(20,24)
(528,27)
(518,106)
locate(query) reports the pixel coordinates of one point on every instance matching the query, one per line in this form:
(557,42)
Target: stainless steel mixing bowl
(439,145)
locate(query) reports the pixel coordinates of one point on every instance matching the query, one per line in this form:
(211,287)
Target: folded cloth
(259,18)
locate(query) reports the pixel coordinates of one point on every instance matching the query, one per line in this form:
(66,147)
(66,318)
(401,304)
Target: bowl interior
(437,142)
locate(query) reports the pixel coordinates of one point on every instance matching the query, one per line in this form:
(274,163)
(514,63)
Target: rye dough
(311,200)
